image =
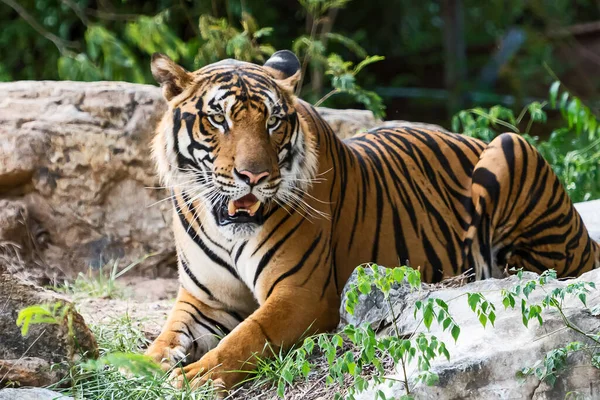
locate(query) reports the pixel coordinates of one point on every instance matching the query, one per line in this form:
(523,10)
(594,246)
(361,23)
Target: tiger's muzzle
(246,209)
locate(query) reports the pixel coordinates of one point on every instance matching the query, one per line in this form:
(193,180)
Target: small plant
(98,284)
(343,80)
(555,361)
(55,313)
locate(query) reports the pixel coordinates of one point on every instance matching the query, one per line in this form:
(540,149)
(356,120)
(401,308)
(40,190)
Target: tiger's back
(446,203)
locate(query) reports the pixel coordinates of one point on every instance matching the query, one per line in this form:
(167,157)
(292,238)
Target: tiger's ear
(285,68)
(173,78)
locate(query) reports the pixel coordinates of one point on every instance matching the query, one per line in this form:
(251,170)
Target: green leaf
(582,297)
(364,287)
(428,316)
(483,319)
(473,300)
(431,379)
(305,368)
(281,388)
(455,332)
(446,323)
(398,274)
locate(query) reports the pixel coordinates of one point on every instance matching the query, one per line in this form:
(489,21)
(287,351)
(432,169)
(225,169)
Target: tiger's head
(232,141)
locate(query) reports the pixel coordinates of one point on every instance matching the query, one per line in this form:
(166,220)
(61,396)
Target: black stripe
(271,252)
(196,238)
(189,273)
(205,326)
(216,324)
(273,231)
(234,315)
(239,252)
(298,266)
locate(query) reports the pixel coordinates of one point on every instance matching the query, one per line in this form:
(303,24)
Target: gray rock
(31,394)
(590,213)
(41,357)
(484,361)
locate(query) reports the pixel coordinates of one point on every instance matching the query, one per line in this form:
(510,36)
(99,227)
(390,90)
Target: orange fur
(438,201)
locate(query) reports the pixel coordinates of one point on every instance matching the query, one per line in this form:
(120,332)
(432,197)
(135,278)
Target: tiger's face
(232,140)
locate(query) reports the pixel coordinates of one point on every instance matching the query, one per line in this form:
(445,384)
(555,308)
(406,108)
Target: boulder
(484,361)
(31,394)
(76,156)
(590,213)
(75,160)
(42,356)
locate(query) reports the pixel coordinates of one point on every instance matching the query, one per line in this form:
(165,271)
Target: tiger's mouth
(246,209)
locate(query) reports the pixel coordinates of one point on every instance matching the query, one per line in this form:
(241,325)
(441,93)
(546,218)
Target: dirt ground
(146,300)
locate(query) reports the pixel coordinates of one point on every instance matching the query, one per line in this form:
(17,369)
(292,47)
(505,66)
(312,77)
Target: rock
(590,213)
(75,157)
(31,394)
(27,360)
(484,361)
(346,123)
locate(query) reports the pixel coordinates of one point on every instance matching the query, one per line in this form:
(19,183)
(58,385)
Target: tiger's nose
(251,178)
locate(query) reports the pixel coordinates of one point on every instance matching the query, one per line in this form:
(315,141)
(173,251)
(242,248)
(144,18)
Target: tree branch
(61,44)
(80,14)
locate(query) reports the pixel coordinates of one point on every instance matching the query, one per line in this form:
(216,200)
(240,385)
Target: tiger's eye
(218,118)
(272,121)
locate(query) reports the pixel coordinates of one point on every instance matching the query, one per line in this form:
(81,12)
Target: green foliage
(556,360)
(283,367)
(573,150)
(152,34)
(120,50)
(222,40)
(136,364)
(55,313)
(107,57)
(485,310)
(121,372)
(437,310)
(120,335)
(381,278)
(344,81)
(553,363)
(357,356)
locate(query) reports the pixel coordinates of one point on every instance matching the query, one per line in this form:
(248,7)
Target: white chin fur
(239,231)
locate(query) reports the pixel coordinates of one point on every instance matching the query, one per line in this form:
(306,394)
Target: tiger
(273,212)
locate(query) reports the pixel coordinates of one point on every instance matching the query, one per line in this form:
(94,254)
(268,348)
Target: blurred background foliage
(490,59)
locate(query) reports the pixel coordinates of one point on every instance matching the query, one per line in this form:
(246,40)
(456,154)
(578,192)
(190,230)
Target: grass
(122,372)
(98,284)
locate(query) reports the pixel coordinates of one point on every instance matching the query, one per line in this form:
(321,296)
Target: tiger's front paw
(167,355)
(208,368)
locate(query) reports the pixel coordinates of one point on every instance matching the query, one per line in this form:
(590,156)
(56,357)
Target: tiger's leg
(522,215)
(192,329)
(289,313)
